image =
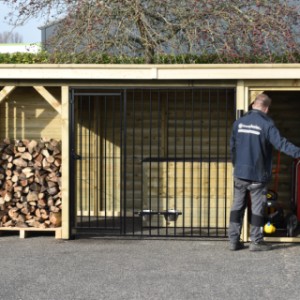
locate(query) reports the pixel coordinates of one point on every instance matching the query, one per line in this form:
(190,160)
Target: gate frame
(123,91)
(251,89)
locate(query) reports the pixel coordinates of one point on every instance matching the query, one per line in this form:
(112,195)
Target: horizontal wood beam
(63,72)
(282,239)
(23,231)
(6,91)
(49,98)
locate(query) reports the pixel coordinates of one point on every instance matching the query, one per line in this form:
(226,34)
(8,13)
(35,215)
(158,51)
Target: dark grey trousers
(258,195)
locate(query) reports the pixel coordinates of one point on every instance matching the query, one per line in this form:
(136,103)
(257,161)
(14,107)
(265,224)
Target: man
(252,140)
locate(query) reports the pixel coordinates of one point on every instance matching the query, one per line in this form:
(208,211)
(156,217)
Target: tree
(10,37)
(149,27)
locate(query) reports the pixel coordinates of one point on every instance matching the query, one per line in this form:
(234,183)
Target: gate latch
(76,156)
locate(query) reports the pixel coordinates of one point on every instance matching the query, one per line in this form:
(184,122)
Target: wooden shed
(145,148)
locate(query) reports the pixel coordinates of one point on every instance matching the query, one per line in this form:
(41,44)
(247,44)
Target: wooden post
(240,95)
(253,95)
(65,162)
(242,104)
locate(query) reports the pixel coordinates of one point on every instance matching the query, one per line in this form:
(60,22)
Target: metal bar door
(152,161)
(97,159)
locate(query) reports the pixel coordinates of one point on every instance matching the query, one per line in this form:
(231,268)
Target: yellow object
(269,228)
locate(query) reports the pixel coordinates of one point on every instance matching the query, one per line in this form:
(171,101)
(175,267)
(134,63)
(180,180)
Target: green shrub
(100,58)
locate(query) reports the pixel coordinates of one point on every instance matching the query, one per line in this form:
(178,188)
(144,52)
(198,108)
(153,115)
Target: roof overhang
(149,72)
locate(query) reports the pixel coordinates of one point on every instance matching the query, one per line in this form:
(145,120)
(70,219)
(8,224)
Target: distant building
(47,32)
(25,48)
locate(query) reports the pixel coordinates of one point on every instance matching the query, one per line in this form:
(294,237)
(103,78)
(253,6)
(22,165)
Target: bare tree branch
(150,27)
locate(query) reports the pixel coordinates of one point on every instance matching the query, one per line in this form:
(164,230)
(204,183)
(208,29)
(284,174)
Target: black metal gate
(148,161)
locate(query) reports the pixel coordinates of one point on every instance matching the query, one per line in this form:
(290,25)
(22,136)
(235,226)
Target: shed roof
(147,71)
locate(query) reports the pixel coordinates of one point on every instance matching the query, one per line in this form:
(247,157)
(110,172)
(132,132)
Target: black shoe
(260,246)
(236,246)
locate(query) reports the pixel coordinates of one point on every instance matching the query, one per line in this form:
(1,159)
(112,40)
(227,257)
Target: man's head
(262,102)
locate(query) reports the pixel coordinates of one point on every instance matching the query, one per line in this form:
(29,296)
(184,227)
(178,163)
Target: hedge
(100,58)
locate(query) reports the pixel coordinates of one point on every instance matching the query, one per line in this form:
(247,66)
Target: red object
(297,187)
(276,172)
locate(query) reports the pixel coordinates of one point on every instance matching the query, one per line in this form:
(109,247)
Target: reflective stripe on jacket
(252,140)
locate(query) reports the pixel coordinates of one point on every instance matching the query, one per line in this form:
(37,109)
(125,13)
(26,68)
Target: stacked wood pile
(30,183)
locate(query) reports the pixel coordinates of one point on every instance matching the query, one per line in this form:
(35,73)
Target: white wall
(13,48)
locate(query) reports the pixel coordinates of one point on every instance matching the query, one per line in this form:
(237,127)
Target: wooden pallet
(24,231)
(282,239)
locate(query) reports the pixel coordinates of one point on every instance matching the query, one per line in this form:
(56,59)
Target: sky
(29,32)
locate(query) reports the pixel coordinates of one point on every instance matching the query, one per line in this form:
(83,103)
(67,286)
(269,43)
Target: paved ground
(91,269)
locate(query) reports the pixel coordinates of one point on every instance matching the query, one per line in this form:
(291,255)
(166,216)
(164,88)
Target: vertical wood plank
(240,95)
(23,234)
(242,104)
(65,162)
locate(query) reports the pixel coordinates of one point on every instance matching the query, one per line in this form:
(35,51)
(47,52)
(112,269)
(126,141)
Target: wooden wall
(98,138)
(201,191)
(24,114)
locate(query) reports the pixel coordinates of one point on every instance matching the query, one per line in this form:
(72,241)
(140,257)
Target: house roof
(50,24)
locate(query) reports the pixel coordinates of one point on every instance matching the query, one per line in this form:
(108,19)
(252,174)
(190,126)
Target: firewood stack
(30,183)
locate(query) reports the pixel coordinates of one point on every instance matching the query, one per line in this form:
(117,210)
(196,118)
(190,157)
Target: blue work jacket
(251,144)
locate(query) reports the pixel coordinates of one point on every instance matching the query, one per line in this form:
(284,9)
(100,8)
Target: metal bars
(151,162)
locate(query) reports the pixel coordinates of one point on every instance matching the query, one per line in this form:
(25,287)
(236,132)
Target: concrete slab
(43,268)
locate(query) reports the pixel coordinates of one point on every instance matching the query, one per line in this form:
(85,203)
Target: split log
(31,145)
(25,211)
(44,214)
(30,183)
(19,205)
(41,203)
(7,197)
(5,219)
(8,223)
(21,149)
(20,162)
(3,213)
(21,224)
(32,196)
(55,218)
(26,156)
